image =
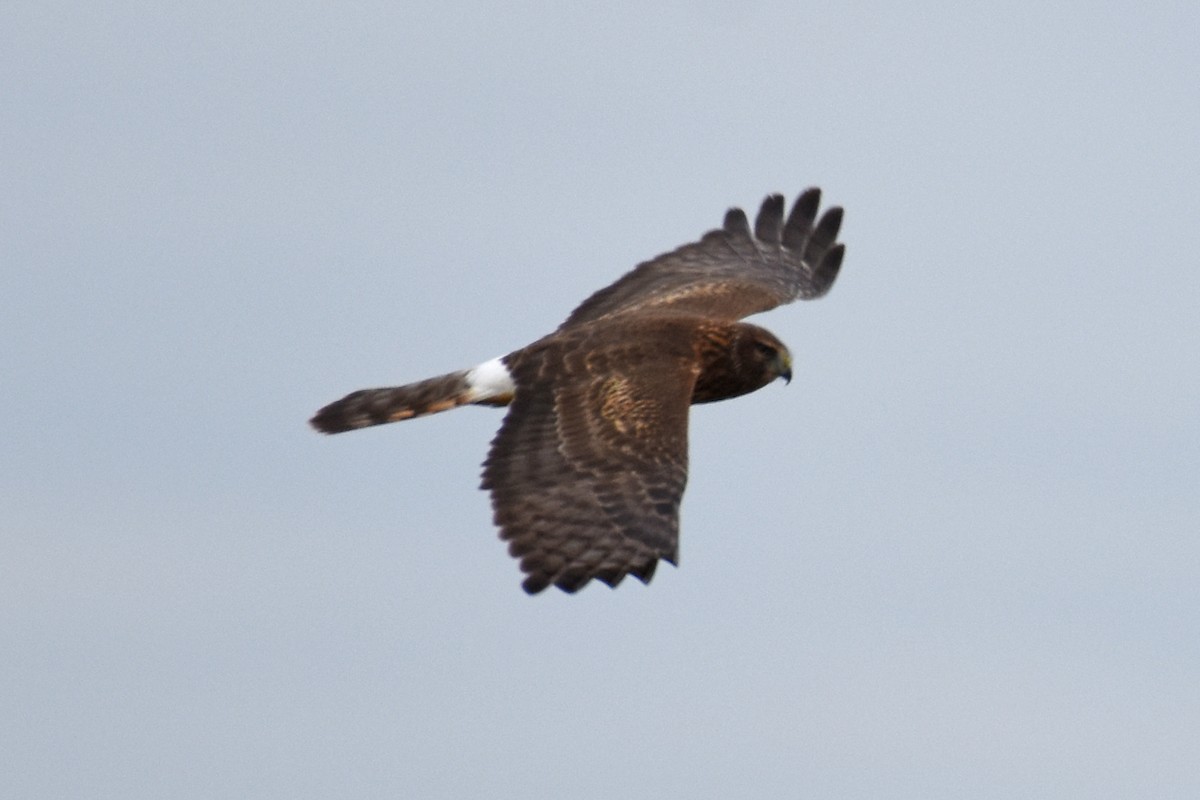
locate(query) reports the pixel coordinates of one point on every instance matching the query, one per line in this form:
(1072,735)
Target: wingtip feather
(827,229)
(736,222)
(769,222)
(800,221)
(827,271)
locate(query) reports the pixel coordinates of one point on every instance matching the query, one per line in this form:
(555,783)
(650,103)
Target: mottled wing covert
(588,469)
(733,272)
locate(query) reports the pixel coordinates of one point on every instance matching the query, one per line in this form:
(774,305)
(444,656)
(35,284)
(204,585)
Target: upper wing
(733,272)
(588,469)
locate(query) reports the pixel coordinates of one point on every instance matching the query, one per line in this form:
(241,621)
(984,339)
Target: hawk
(588,469)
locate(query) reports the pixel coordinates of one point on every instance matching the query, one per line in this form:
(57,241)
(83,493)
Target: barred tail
(487,384)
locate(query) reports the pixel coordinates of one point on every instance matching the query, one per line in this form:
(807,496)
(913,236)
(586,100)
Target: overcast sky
(956,558)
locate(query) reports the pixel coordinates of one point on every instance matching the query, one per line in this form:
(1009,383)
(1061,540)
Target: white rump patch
(490,379)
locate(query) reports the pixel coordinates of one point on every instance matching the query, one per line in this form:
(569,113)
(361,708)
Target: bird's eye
(765,349)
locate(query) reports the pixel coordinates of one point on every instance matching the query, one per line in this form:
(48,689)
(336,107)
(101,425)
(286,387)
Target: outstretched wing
(733,272)
(588,469)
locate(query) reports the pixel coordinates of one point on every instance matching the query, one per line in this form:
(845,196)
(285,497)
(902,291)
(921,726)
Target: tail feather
(368,407)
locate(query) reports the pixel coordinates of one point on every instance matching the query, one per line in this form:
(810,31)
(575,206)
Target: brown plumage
(588,469)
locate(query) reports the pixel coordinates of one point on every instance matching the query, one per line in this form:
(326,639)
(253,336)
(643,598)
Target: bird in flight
(588,469)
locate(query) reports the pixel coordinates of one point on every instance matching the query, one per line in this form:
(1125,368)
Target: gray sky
(956,557)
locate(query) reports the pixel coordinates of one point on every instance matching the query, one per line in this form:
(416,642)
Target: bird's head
(761,353)
(740,358)
(769,356)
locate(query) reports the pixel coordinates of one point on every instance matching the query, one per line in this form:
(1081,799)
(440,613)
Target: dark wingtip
(645,571)
(535,584)
(611,577)
(827,229)
(827,271)
(770,219)
(800,221)
(736,222)
(572,581)
(807,203)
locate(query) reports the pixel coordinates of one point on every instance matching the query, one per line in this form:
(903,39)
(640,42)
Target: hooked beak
(784,366)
